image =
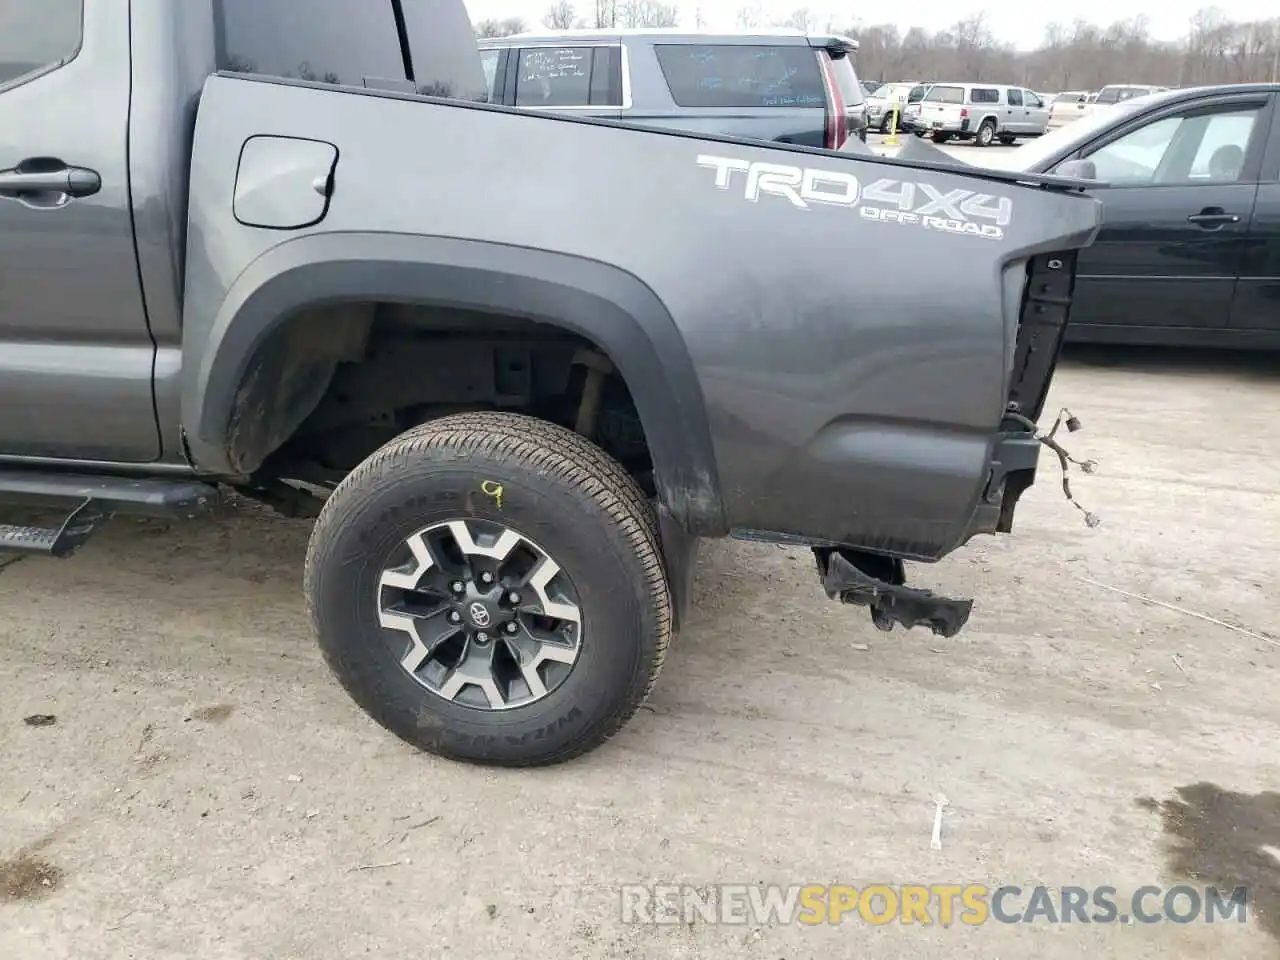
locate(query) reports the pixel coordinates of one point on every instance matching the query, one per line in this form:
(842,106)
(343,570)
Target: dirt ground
(208,791)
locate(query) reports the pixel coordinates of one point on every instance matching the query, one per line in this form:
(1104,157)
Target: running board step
(90,500)
(869,580)
(60,541)
(127,495)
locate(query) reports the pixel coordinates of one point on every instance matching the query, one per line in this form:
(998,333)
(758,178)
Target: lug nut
(512,627)
(486,577)
(513,598)
(482,638)
(457,586)
(455,616)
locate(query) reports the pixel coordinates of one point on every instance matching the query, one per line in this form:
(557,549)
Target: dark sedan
(1189,252)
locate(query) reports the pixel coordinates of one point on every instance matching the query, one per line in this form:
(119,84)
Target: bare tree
(559,16)
(646,13)
(500,28)
(975,46)
(1076,55)
(662,15)
(748,18)
(1275,51)
(606,14)
(801,18)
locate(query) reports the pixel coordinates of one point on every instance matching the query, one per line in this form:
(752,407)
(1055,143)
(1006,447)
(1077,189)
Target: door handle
(48,182)
(1212,217)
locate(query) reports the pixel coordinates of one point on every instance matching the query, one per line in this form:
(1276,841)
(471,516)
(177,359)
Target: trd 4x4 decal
(886,199)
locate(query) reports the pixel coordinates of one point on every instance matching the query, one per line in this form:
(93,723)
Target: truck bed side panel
(840,408)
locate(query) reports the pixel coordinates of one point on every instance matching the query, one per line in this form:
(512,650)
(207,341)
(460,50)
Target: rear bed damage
(865,579)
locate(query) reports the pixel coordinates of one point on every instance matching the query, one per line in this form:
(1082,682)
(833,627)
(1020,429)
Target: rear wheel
(986,133)
(489,588)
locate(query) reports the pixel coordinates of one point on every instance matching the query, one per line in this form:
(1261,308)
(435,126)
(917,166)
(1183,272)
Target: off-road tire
(986,133)
(556,488)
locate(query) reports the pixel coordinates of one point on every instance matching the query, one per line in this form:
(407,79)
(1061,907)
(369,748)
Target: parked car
(1189,251)
(880,106)
(911,108)
(517,362)
(1115,93)
(981,112)
(782,85)
(1067,106)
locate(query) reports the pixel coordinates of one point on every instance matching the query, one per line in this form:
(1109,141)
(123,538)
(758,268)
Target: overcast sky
(1014,21)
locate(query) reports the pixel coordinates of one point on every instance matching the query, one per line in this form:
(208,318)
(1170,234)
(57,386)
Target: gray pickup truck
(517,364)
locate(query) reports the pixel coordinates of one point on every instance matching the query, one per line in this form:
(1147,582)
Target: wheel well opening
(332,384)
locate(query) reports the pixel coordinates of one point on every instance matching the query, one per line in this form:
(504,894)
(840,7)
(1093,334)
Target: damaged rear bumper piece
(877,582)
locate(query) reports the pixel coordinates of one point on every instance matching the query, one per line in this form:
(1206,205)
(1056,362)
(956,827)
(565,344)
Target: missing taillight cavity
(1046,304)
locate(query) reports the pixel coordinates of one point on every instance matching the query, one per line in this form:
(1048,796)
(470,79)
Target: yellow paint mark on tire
(493,490)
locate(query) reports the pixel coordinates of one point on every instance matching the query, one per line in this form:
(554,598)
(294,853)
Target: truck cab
(94,193)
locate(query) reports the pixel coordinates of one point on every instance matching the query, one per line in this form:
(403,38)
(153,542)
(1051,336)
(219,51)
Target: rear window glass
(984,95)
(553,77)
(730,75)
(351,42)
(489,64)
(567,76)
(847,78)
(940,94)
(337,41)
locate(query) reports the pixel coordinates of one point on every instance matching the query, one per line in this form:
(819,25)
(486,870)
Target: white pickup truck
(1069,105)
(981,112)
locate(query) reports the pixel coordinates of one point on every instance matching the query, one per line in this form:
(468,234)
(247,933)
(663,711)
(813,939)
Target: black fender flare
(607,305)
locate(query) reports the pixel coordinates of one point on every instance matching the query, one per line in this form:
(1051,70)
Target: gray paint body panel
(833,408)
(75,352)
(283,183)
(784,383)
